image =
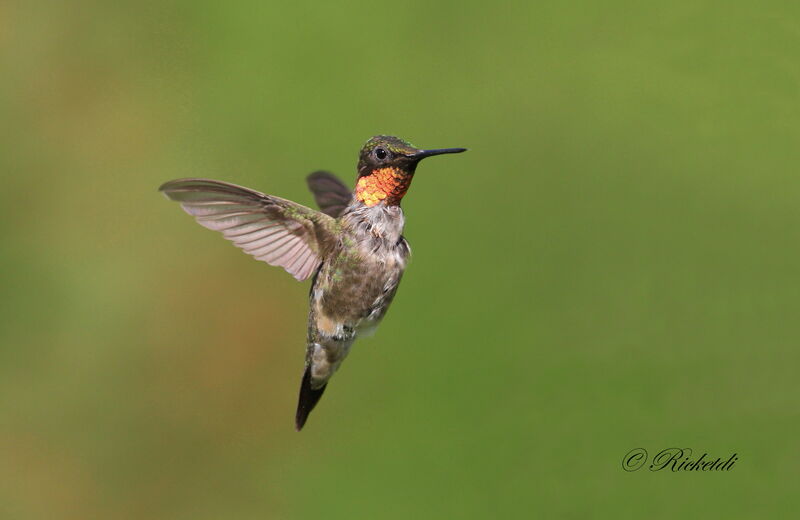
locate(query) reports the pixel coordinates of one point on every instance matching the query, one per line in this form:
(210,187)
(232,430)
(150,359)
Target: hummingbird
(353,248)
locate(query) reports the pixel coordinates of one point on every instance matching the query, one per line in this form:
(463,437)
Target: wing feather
(243,230)
(331,194)
(309,266)
(274,230)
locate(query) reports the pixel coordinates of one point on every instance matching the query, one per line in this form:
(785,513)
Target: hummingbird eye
(381,154)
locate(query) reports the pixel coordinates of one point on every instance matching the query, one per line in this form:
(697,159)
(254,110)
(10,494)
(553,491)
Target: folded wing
(331,194)
(274,230)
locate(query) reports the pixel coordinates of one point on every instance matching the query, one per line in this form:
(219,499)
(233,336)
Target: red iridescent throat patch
(384,184)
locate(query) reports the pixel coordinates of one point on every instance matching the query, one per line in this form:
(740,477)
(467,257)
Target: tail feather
(308,399)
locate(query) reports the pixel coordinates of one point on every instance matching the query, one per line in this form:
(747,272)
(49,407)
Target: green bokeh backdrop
(612,265)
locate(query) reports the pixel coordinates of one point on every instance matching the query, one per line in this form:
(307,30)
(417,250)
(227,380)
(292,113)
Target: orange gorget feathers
(384,184)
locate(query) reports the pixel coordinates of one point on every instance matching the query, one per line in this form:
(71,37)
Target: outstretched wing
(331,194)
(274,230)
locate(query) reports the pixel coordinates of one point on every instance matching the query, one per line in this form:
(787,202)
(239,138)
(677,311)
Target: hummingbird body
(354,286)
(354,248)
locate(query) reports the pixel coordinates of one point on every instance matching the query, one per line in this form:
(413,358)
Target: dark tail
(308,399)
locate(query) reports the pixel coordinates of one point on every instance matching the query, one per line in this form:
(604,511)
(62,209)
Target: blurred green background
(612,265)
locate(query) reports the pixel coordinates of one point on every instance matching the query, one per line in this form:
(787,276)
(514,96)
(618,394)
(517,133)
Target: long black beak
(428,153)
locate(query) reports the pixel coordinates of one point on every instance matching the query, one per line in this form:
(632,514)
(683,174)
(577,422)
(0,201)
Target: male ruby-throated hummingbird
(354,248)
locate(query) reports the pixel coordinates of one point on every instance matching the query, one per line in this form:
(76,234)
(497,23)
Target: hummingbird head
(386,166)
